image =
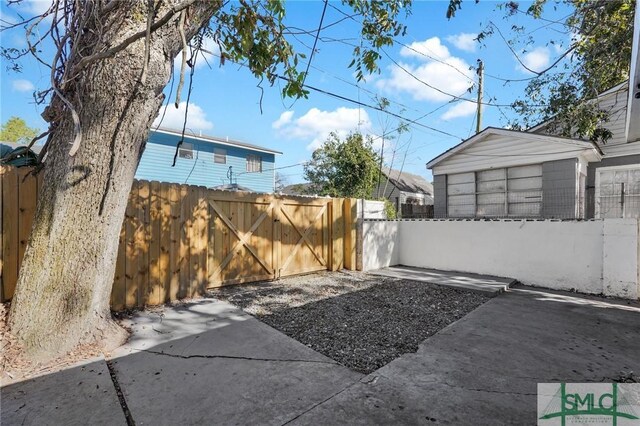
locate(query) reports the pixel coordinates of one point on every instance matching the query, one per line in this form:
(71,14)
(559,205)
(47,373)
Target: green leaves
(15,129)
(252,32)
(597,59)
(343,168)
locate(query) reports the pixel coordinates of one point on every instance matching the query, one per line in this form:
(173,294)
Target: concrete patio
(485,284)
(208,362)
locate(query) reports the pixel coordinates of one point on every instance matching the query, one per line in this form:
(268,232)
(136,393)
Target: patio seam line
(120,394)
(246,358)
(321,402)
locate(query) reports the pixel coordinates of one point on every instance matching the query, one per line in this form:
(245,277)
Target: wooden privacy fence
(178,240)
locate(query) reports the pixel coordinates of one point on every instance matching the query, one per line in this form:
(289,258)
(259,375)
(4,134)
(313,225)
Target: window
(186,151)
(220,156)
(618,192)
(254,163)
(513,191)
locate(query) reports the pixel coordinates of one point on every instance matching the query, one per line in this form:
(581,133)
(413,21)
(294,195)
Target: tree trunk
(63,290)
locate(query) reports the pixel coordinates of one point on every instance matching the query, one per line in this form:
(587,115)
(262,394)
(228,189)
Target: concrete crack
(320,403)
(245,358)
(486,390)
(121,398)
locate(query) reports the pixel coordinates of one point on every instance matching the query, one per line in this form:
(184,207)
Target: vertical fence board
(10,232)
(153,291)
(183,256)
(118,291)
(131,264)
(165,242)
(143,242)
(174,241)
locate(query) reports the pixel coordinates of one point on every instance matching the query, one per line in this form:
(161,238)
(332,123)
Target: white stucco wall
(379,244)
(369,209)
(620,274)
(599,256)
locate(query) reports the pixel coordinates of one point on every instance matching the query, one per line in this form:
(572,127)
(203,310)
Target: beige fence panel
(176,240)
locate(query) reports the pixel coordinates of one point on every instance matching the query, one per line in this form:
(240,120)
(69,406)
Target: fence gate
(303,238)
(253,238)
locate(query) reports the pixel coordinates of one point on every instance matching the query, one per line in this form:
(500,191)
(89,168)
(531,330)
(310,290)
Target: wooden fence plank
(142,241)
(350,215)
(183,255)
(131,264)
(118,291)
(10,235)
(153,290)
(165,242)
(174,241)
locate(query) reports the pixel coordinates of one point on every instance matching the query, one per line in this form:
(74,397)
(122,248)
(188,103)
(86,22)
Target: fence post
(337,234)
(350,217)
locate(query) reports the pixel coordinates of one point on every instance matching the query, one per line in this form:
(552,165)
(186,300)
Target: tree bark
(63,290)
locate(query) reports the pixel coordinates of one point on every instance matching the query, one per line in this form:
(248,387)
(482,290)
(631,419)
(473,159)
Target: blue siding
(157,158)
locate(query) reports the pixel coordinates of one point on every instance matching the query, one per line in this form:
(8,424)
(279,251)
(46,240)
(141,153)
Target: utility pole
(480,88)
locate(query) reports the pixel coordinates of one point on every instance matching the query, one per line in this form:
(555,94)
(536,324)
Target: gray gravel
(359,320)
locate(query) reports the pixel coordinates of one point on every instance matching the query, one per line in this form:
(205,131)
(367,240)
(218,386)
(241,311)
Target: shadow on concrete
(199,363)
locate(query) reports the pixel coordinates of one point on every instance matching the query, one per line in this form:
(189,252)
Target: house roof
(213,139)
(524,136)
(408,182)
(615,89)
(6,147)
(298,189)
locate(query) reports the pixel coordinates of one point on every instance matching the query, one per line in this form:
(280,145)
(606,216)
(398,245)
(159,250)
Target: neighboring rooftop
(6,147)
(298,189)
(218,140)
(408,182)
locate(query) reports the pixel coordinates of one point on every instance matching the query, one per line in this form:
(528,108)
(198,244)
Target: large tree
(110,64)
(594,41)
(343,168)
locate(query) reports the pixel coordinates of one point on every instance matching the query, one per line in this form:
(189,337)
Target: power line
(315,41)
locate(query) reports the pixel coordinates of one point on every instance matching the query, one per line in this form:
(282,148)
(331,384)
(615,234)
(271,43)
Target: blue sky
(226,100)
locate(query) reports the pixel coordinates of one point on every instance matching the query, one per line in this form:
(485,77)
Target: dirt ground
(14,365)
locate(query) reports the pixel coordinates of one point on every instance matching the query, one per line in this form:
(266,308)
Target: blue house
(207,161)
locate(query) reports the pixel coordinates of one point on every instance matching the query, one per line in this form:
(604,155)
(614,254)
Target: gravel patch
(359,320)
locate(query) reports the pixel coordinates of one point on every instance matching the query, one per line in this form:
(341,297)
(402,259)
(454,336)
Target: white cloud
(462,109)
(464,41)
(36,7)
(316,125)
(174,118)
(209,56)
(447,75)
(536,60)
(423,49)
(285,118)
(23,86)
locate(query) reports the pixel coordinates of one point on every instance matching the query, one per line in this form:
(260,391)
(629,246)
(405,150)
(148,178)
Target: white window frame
(254,163)
(186,151)
(219,156)
(609,169)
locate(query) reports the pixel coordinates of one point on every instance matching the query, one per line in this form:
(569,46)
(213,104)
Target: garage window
(618,192)
(504,192)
